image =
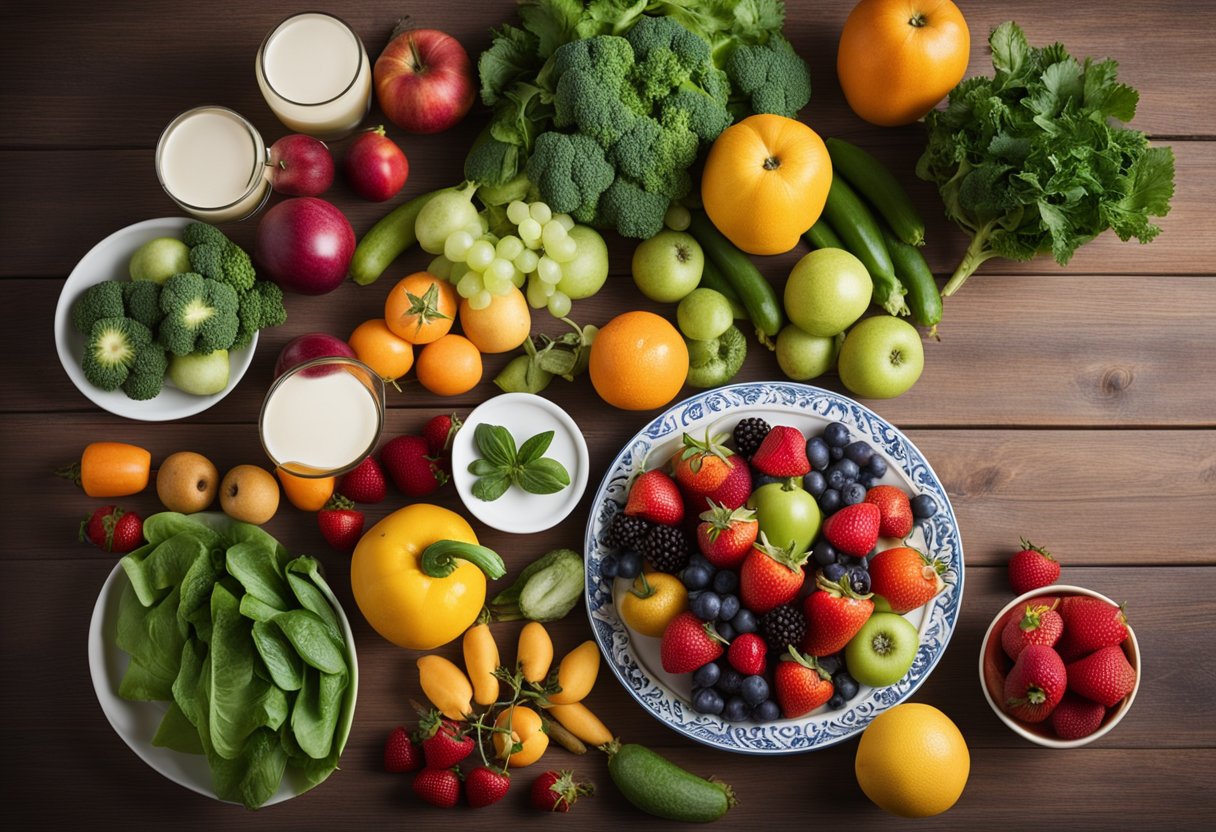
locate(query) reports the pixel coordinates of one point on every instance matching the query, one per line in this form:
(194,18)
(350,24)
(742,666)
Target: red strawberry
(782,453)
(770,576)
(485,785)
(1090,624)
(438,787)
(801,684)
(443,741)
(906,578)
(364,483)
(111,529)
(1035,685)
(689,643)
(725,536)
(854,529)
(439,432)
(407,460)
(747,654)
(1075,717)
(341,523)
(1039,624)
(557,791)
(702,465)
(1104,676)
(1032,568)
(655,497)
(834,614)
(401,753)
(736,487)
(895,508)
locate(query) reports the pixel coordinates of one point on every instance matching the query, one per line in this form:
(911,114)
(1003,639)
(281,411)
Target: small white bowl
(993,664)
(524,415)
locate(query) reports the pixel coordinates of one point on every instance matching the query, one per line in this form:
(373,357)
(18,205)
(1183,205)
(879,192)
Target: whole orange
(898,58)
(389,355)
(500,327)
(449,366)
(638,361)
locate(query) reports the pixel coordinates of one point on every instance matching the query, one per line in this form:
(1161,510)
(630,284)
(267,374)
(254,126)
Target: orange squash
(899,58)
(765,182)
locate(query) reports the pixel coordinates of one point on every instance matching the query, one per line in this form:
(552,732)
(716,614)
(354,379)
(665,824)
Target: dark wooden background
(1073,406)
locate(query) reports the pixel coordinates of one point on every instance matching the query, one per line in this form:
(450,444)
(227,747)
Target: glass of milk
(212,162)
(323,417)
(315,75)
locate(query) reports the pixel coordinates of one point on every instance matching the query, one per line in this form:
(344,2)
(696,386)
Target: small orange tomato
(389,355)
(526,729)
(306,493)
(420,308)
(449,366)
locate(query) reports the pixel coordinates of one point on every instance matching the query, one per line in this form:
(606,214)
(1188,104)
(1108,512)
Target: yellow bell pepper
(419,576)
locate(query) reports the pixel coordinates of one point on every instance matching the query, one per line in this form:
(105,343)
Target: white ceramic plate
(108,260)
(136,722)
(524,415)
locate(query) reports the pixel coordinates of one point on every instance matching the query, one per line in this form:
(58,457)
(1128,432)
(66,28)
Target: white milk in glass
(212,162)
(320,421)
(315,75)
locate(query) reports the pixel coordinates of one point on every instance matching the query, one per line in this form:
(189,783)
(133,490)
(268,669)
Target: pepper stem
(439,559)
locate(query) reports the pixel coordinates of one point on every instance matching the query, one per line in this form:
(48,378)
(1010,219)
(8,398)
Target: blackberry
(625,532)
(666,548)
(782,627)
(749,433)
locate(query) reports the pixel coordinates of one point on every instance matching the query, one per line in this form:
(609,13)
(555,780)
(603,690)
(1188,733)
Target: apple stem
(402,25)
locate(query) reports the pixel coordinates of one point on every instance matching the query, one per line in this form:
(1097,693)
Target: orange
(898,58)
(638,361)
(449,366)
(306,493)
(500,327)
(389,355)
(912,761)
(420,308)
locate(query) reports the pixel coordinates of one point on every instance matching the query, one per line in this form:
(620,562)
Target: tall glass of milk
(323,417)
(315,75)
(212,162)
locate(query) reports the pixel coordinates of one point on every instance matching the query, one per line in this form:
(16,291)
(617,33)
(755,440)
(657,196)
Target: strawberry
(688,643)
(1104,676)
(770,576)
(782,453)
(736,487)
(439,432)
(834,614)
(557,791)
(655,497)
(401,753)
(801,684)
(725,536)
(485,785)
(1036,684)
(895,510)
(1032,568)
(407,460)
(438,787)
(364,483)
(1039,624)
(443,741)
(854,529)
(341,523)
(1090,624)
(111,529)
(906,578)
(1075,717)
(702,465)
(747,654)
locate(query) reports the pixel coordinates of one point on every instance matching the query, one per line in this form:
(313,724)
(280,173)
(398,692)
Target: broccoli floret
(198,233)
(238,268)
(632,211)
(260,307)
(111,350)
(657,155)
(101,300)
(570,170)
(207,259)
(225,262)
(147,373)
(200,314)
(592,105)
(142,299)
(769,78)
(606,55)
(490,161)
(663,34)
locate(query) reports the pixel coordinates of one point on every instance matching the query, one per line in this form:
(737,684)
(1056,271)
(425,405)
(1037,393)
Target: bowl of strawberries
(1060,666)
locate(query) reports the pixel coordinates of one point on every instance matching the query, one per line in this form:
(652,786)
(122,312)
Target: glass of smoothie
(323,417)
(315,75)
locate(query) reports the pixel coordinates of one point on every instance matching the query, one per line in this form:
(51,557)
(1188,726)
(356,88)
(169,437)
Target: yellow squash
(481,660)
(576,674)
(534,654)
(446,686)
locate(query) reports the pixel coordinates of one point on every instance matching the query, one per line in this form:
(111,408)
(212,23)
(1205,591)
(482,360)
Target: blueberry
(846,686)
(737,710)
(859,579)
(608,567)
(817,452)
(703,562)
(859,452)
(695,577)
(759,479)
(707,701)
(846,466)
(853,493)
(923,507)
(766,711)
(836,702)
(867,481)
(726,581)
(877,467)
(836,479)
(831,663)
(836,454)
(824,552)
(731,681)
(814,483)
(706,605)
(830,502)
(628,564)
(836,435)
(725,630)
(755,690)
(834,571)
(729,608)
(707,675)
(744,622)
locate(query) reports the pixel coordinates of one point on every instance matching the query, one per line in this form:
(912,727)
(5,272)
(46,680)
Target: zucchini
(923,299)
(859,231)
(711,278)
(661,788)
(386,240)
(754,291)
(877,184)
(821,235)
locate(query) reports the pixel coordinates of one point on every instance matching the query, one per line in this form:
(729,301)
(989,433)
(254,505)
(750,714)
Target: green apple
(717,360)
(200,373)
(788,515)
(704,314)
(158,260)
(668,266)
(801,356)
(881,358)
(583,276)
(883,649)
(827,291)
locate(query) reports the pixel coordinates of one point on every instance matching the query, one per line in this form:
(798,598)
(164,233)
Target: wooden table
(1072,406)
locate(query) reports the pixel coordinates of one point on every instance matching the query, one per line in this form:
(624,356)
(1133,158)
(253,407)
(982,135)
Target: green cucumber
(386,240)
(663,789)
(755,292)
(859,231)
(877,184)
(711,278)
(821,235)
(923,299)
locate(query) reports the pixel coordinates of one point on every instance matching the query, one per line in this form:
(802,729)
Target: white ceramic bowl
(108,260)
(994,665)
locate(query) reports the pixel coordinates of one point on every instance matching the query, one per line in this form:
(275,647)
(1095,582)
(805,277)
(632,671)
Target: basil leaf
(534,448)
(484,468)
(492,487)
(543,476)
(558,362)
(495,443)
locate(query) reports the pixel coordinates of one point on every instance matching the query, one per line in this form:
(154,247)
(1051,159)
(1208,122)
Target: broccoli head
(198,233)
(111,349)
(769,78)
(142,298)
(225,262)
(147,372)
(200,314)
(570,170)
(632,211)
(657,154)
(101,300)
(260,307)
(594,105)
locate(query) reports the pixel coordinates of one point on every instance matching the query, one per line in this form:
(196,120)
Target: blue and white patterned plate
(635,658)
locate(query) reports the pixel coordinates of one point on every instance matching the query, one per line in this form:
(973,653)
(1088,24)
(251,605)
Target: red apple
(424,80)
(308,346)
(375,166)
(305,245)
(300,166)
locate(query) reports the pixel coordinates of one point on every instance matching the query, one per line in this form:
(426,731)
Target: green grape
(526,261)
(441,267)
(501,269)
(517,212)
(563,251)
(540,212)
(536,294)
(566,221)
(509,247)
(474,230)
(480,255)
(677,217)
(559,305)
(459,270)
(456,246)
(518,279)
(551,234)
(547,288)
(481,300)
(549,271)
(529,232)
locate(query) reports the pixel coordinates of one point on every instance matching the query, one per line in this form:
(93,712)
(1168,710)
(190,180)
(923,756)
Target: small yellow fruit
(186,482)
(912,761)
(249,494)
(654,599)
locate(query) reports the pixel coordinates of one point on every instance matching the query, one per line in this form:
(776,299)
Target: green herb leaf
(534,448)
(543,476)
(557,362)
(484,468)
(492,487)
(495,444)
